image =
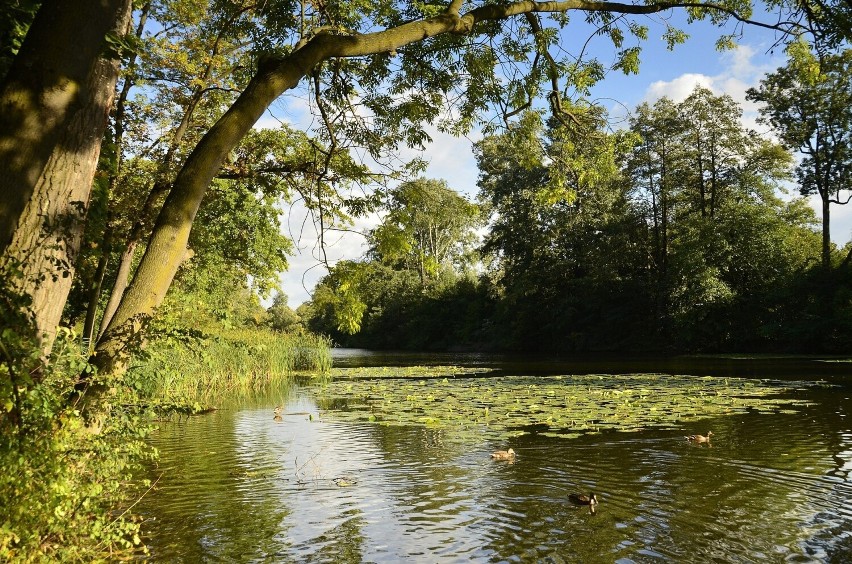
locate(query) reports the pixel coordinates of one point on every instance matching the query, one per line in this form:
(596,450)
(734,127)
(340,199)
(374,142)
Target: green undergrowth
(560,406)
(192,366)
(66,492)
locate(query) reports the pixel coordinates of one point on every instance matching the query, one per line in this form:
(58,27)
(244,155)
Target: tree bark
(826,231)
(54,106)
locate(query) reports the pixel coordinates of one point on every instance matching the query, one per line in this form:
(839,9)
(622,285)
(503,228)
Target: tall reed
(193,366)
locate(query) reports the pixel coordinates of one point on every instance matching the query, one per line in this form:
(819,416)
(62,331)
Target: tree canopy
(374,74)
(809,104)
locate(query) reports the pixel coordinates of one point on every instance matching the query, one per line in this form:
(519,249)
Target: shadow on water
(237,486)
(792,367)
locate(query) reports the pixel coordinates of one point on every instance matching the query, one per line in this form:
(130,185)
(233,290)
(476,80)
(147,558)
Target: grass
(199,367)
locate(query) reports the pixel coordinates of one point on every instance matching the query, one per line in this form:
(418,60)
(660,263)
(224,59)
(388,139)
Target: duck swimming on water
(581,499)
(277,411)
(700,438)
(503,455)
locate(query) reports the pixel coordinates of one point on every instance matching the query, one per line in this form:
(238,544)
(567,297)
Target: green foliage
(809,103)
(281,317)
(210,341)
(66,487)
(239,231)
(721,241)
(15,20)
(182,365)
(428,227)
(397,313)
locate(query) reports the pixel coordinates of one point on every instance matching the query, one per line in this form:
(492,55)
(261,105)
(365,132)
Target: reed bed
(200,367)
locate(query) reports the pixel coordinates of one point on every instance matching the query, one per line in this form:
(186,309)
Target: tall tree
(436,46)
(716,181)
(428,226)
(54,103)
(653,166)
(564,240)
(809,103)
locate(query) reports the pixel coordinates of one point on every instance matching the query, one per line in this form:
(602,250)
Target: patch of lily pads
(395,372)
(559,406)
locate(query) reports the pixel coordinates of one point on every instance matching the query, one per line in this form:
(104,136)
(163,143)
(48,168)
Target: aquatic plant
(559,406)
(194,366)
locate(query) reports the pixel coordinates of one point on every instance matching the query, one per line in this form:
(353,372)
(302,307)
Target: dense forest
(140,209)
(670,235)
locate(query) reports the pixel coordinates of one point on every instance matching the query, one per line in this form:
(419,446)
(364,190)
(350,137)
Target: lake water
(238,486)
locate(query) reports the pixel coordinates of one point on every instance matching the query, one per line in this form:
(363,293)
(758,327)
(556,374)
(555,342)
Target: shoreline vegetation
(203,368)
(68,493)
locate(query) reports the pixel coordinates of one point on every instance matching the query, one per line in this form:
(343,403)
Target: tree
(54,103)
(566,246)
(809,103)
(428,226)
(723,242)
(436,46)
(281,316)
(652,167)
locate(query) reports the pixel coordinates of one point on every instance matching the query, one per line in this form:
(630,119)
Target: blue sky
(663,73)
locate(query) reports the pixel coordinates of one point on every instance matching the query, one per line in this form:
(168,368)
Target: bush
(64,488)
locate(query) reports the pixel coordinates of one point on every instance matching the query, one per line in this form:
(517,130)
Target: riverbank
(67,494)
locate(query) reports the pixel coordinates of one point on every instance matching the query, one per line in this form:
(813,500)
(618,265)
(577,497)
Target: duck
(582,499)
(503,455)
(700,438)
(277,411)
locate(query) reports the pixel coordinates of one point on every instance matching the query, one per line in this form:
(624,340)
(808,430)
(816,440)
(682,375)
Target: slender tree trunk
(54,105)
(826,231)
(95,293)
(120,285)
(120,112)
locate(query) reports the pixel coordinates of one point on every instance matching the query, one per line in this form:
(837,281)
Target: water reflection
(239,487)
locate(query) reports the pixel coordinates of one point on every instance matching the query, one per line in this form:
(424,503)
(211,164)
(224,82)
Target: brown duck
(700,438)
(581,499)
(503,455)
(277,411)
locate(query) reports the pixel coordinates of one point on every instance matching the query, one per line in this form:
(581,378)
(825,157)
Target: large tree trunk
(54,106)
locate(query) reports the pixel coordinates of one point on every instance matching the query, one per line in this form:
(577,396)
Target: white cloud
(677,89)
(450,158)
(743,67)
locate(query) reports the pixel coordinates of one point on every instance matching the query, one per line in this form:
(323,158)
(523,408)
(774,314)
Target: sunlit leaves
(628,60)
(673,37)
(428,226)
(809,103)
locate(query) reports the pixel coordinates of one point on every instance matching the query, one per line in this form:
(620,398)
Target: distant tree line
(667,236)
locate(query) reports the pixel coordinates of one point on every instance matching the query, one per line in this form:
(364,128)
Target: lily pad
(562,406)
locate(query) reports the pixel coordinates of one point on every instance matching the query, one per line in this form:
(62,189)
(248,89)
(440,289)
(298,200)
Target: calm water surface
(237,486)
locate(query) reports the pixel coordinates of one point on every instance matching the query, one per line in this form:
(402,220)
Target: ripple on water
(238,486)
